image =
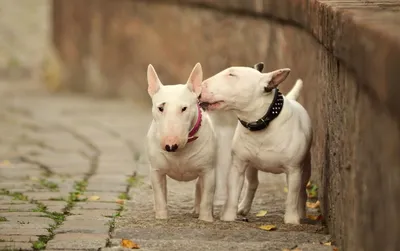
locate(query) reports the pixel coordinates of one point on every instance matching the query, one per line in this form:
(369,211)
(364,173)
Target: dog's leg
(252,184)
(235,185)
(197,195)
(159,184)
(207,195)
(294,178)
(305,177)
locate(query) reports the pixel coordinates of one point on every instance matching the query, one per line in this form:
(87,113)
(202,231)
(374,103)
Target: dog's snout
(171,148)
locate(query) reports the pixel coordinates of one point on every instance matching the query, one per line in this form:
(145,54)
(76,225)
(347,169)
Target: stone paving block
(47,195)
(32,220)
(22,214)
(112,178)
(22,246)
(54,206)
(22,224)
(97,205)
(100,186)
(18,238)
(77,241)
(93,212)
(20,172)
(23,231)
(104,196)
(89,226)
(18,207)
(22,185)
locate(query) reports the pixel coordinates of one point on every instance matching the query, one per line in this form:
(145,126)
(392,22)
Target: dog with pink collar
(181,142)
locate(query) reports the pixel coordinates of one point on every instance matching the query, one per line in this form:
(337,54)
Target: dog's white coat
(194,160)
(283,147)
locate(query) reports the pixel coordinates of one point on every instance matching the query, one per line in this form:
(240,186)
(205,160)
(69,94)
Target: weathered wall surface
(24,32)
(346,53)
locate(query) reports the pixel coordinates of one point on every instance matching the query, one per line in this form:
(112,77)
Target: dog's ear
(272,79)
(195,79)
(259,66)
(153,81)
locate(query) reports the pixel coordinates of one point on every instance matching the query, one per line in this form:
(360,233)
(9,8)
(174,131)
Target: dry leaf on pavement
(285,189)
(94,197)
(314,217)
(267,227)
(313,205)
(262,213)
(327,243)
(121,202)
(129,244)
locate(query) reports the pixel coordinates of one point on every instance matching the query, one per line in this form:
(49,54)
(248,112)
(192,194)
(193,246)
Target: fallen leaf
(267,227)
(285,189)
(312,194)
(308,185)
(327,243)
(129,244)
(285,249)
(314,217)
(261,213)
(313,205)
(121,202)
(5,163)
(335,249)
(33,178)
(94,197)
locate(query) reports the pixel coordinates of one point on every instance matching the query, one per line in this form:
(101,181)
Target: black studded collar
(273,111)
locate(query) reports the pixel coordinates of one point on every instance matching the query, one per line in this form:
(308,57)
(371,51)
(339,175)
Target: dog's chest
(182,169)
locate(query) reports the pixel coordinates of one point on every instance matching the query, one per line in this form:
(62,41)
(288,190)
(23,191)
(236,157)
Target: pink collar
(196,126)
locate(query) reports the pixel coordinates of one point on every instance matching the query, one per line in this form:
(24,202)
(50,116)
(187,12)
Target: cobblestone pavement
(73,176)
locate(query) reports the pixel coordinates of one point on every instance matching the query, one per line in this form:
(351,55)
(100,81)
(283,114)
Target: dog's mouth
(209,106)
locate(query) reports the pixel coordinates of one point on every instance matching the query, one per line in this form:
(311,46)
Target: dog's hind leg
(305,177)
(251,188)
(197,195)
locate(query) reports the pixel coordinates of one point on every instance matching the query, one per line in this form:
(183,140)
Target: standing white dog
(181,142)
(273,135)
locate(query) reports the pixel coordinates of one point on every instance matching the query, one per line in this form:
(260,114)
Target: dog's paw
(243,210)
(206,217)
(196,210)
(228,216)
(292,219)
(161,215)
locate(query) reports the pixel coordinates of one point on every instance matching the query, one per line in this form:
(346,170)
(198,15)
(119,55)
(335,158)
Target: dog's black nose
(172,148)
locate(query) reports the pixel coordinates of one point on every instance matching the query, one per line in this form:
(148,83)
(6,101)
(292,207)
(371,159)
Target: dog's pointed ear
(153,81)
(259,66)
(272,79)
(195,79)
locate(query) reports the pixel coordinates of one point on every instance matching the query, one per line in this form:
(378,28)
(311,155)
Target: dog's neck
(195,125)
(256,109)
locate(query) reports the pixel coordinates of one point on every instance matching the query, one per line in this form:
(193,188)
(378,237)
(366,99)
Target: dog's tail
(295,91)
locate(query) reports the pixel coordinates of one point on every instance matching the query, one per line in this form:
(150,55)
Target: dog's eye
(184,109)
(199,97)
(231,75)
(161,109)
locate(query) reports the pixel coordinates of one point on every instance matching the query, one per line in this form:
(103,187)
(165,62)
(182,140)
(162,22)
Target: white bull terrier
(181,142)
(273,135)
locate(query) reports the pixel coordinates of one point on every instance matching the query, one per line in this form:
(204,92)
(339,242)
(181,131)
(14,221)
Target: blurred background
(346,53)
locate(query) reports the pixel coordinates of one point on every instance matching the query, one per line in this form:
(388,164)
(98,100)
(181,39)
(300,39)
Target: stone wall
(346,53)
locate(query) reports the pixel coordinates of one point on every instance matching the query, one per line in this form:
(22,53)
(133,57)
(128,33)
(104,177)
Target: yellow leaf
(261,213)
(33,178)
(129,244)
(267,227)
(121,202)
(327,243)
(335,249)
(314,217)
(285,189)
(94,197)
(313,205)
(5,163)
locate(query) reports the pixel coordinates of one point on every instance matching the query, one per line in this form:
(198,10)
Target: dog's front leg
(294,180)
(235,185)
(252,184)
(197,195)
(159,184)
(207,198)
